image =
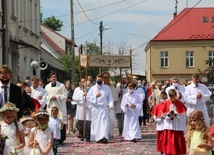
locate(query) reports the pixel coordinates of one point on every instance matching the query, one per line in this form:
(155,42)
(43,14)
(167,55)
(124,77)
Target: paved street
(116,146)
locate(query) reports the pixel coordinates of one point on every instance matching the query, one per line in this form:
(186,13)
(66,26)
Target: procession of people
(42,116)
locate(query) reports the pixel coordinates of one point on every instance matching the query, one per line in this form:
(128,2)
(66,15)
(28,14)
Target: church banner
(117,61)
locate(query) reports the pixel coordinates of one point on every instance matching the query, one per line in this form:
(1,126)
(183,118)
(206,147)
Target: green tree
(67,63)
(53,23)
(209,71)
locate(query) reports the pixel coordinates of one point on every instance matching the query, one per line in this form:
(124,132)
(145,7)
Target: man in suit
(9,91)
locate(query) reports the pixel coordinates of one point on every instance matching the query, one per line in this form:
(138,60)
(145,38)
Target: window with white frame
(0,5)
(26,14)
(211,58)
(164,59)
(14,8)
(189,59)
(36,18)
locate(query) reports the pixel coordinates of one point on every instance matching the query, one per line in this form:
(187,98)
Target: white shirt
(2,91)
(54,124)
(36,93)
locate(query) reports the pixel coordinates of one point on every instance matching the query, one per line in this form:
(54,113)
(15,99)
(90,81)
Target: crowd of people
(36,118)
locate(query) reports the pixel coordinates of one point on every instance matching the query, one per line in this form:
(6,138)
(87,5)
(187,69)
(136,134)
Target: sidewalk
(116,146)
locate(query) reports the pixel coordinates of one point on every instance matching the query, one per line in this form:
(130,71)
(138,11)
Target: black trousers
(120,119)
(145,116)
(63,134)
(87,129)
(55,145)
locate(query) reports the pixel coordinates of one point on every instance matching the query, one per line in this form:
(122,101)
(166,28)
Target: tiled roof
(68,40)
(52,43)
(190,24)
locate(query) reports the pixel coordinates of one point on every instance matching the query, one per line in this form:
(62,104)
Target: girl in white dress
(28,124)
(41,136)
(13,129)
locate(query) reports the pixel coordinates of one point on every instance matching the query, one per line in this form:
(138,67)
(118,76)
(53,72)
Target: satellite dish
(204,79)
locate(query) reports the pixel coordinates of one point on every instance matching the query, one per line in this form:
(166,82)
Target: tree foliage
(53,23)
(67,63)
(209,71)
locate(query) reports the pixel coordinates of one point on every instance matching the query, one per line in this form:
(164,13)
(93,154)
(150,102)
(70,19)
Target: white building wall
(23,27)
(57,39)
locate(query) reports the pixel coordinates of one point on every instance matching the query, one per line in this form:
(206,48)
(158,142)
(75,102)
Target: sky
(132,23)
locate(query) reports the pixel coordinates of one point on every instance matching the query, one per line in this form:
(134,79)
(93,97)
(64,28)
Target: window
(211,58)
(164,59)
(189,59)
(14,8)
(212,19)
(26,14)
(204,19)
(0,5)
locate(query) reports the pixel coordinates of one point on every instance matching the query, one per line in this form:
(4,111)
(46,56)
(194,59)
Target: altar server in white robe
(38,93)
(196,96)
(83,113)
(56,97)
(100,97)
(131,105)
(180,89)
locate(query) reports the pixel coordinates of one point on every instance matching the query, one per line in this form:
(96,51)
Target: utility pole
(176,9)
(101,42)
(73,43)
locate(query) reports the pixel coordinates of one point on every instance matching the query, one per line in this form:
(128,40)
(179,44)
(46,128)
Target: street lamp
(101,40)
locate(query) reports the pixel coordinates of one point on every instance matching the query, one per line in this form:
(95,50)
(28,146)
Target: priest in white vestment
(196,96)
(100,97)
(131,105)
(56,97)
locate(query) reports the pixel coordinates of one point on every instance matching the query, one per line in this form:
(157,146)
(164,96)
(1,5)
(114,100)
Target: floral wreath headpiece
(9,109)
(197,118)
(42,113)
(26,119)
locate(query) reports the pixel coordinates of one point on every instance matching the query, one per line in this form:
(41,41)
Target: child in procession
(41,136)
(198,137)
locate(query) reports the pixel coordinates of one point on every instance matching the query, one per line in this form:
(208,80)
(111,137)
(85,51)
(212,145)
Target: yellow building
(182,47)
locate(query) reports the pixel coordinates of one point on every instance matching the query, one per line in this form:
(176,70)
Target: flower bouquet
(2,143)
(15,152)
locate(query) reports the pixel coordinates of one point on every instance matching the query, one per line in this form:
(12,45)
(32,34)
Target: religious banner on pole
(116,61)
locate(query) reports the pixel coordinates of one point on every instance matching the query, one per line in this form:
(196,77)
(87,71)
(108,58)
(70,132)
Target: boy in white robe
(83,113)
(100,97)
(131,105)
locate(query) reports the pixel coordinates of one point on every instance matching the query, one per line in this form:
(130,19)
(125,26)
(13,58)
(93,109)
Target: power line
(140,46)
(101,16)
(101,7)
(85,13)
(113,12)
(129,33)
(86,34)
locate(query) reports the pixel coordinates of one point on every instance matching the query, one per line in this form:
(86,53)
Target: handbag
(199,151)
(35,150)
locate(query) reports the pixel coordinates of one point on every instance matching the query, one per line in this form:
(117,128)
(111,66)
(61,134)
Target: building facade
(20,36)
(182,47)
